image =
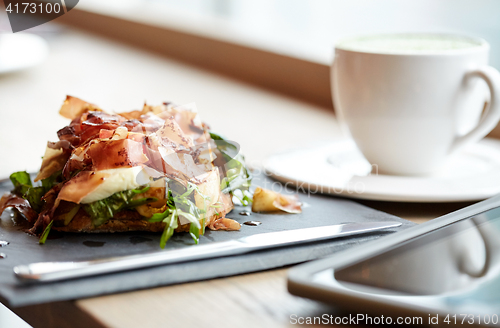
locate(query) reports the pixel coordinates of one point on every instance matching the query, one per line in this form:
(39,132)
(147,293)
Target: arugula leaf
(140,191)
(21,181)
(170,226)
(158,217)
(102,210)
(245,199)
(180,202)
(24,187)
(53,180)
(215,136)
(200,211)
(169,217)
(20,178)
(45,234)
(34,196)
(194,231)
(237,176)
(183,200)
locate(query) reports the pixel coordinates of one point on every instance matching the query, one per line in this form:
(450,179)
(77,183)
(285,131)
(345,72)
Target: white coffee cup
(411,100)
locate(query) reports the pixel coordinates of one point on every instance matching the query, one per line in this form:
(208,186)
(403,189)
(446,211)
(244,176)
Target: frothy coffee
(409,43)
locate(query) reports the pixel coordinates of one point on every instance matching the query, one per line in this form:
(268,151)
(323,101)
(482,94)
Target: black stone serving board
(320,210)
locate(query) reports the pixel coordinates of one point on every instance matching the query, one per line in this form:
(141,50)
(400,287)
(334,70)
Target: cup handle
(492,113)
(488,245)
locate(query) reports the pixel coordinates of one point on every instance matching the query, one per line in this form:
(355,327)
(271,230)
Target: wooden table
(118,77)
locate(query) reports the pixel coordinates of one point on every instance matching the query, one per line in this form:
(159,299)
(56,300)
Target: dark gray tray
(23,249)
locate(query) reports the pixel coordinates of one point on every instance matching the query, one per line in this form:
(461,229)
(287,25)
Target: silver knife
(54,271)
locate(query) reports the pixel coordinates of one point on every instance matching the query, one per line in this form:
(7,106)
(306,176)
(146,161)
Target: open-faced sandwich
(158,169)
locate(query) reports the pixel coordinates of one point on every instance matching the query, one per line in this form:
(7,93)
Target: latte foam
(410,43)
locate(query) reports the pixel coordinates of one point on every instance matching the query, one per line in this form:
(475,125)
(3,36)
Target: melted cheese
(117,180)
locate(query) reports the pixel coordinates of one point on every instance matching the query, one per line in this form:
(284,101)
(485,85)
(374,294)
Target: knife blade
(55,271)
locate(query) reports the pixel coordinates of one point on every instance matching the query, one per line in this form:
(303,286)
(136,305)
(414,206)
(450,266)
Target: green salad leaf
(159,217)
(45,233)
(181,202)
(237,176)
(34,196)
(186,207)
(21,181)
(24,188)
(102,210)
(53,180)
(170,226)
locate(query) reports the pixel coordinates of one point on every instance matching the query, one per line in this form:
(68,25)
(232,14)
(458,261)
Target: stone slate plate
(320,210)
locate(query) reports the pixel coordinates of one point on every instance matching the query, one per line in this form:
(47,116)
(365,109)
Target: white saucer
(340,169)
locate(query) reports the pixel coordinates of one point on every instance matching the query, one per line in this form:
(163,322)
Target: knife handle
(52,271)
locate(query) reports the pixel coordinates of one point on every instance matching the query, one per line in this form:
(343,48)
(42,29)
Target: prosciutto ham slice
(81,185)
(54,160)
(172,135)
(74,107)
(18,203)
(112,154)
